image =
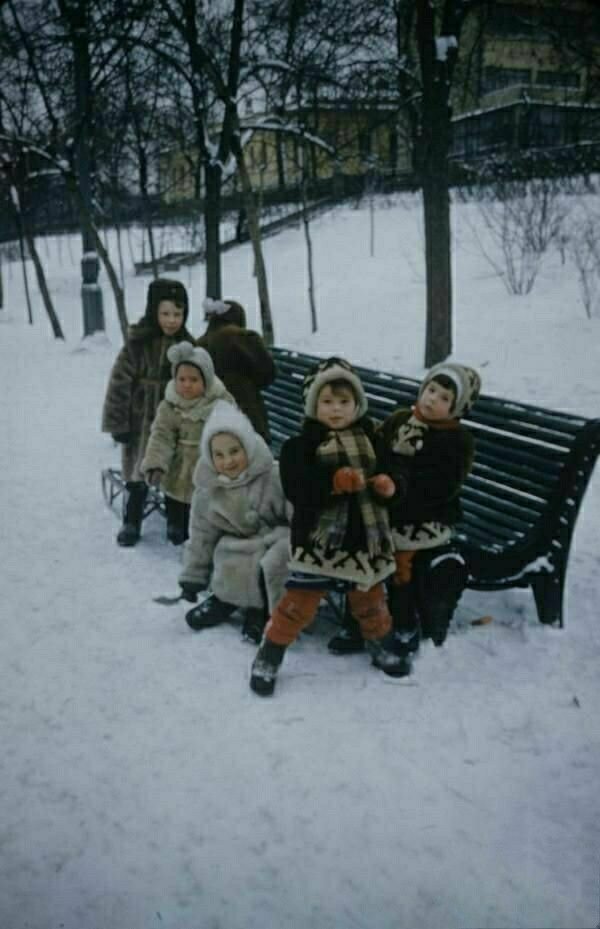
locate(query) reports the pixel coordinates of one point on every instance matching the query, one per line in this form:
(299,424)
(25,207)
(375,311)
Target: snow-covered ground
(142,785)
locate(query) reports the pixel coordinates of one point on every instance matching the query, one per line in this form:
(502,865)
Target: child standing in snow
(239,525)
(136,387)
(340,530)
(428,453)
(173,446)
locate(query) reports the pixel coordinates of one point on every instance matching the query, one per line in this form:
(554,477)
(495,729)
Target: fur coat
(238,527)
(245,366)
(174,443)
(136,386)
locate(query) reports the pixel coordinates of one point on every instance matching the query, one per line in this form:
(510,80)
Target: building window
(497,78)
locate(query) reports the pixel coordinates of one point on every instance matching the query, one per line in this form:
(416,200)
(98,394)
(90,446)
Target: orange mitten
(383,485)
(348,481)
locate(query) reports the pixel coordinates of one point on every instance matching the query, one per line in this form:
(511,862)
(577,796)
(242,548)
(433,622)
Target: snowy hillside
(143,785)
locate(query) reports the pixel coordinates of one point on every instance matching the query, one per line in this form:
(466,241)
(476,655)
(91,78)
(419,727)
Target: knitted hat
(466,381)
(227,418)
(163,288)
(185,353)
(224,313)
(332,369)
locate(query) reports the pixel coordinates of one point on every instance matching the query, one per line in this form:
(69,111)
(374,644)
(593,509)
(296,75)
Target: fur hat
(228,418)
(467,383)
(224,313)
(164,288)
(332,369)
(185,353)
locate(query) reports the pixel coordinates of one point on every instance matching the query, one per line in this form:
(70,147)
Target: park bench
(520,502)
(521,499)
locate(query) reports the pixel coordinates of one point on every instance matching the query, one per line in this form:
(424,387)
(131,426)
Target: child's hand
(154,477)
(348,481)
(123,438)
(383,485)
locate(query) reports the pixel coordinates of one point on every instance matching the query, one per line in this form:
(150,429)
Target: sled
(114,489)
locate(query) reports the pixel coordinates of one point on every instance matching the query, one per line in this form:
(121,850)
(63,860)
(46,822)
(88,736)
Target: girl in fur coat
(137,384)
(173,446)
(239,537)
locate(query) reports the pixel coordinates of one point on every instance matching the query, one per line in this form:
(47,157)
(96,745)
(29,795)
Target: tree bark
(42,284)
(212,217)
(254,230)
(434,145)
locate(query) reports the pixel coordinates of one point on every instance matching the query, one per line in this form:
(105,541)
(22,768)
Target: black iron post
(91,293)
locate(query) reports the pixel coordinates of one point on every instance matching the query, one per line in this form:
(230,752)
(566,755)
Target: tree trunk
(309,256)
(254,230)
(212,222)
(434,145)
(436,209)
(41,279)
(25,280)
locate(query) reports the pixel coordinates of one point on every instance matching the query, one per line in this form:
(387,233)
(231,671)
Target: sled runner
(114,489)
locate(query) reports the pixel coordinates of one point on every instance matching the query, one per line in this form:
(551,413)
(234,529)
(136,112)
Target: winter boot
(265,667)
(211,612)
(403,607)
(133,513)
(348,640)
(384,656)
(440,583)
(255,620)
(178,517)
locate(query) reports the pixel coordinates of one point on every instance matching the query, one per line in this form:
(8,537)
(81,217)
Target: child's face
(228,455)
(170,317)
(336,409)
(189,383)
(436,401)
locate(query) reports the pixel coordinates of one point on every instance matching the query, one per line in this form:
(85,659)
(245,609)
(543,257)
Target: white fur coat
(238,527)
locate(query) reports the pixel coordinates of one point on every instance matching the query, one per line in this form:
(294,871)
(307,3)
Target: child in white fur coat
(239,527)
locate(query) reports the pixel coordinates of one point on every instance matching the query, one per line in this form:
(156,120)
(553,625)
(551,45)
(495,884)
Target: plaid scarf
(351,447)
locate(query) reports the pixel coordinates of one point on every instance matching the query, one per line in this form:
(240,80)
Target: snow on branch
(443,44)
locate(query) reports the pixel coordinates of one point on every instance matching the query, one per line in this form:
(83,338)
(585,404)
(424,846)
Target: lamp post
(91,293)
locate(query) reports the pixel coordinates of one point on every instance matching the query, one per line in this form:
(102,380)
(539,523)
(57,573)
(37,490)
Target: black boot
(265,667)
(440,583)
(385,657)
(211,612)
(178,519)
(133,513)
(403,607)
(255,620)
(349,640)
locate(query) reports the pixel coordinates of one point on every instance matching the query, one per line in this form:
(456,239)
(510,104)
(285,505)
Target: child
(239,525)
(340,530)
(173,446)
(240,357)
(428,453)
(136,387)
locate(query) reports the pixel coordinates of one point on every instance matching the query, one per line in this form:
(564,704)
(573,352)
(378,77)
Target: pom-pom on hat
(164,288)
(224,313)
(332,369)
(467,383)
(185,353)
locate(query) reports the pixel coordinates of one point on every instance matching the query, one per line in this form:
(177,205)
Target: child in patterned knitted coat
(340,530)
(428,453)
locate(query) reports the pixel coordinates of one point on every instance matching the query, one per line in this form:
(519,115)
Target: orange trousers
(297,609)
(404,567)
